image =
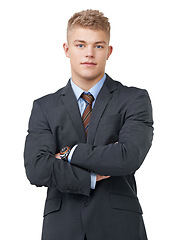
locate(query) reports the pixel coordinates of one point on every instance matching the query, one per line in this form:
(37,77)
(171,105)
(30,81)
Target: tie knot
(88,98)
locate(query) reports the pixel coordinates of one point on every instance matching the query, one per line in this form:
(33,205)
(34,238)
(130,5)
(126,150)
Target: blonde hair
(89,18)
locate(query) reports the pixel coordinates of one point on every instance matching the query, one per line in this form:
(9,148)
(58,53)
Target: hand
(99,177)
(58,155)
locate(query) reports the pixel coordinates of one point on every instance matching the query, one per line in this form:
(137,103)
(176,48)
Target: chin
(91,76)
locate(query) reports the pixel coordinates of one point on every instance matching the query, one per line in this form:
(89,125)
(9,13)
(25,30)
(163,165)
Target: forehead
(87,35)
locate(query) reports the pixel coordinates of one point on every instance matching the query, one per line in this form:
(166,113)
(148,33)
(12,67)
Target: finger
(99,177)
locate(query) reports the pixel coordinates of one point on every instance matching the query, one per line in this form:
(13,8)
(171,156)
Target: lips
(88,64)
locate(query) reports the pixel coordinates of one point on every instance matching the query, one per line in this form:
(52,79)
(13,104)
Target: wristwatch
(64,153)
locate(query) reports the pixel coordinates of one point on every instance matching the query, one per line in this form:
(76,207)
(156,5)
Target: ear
(110,49)
(66,49)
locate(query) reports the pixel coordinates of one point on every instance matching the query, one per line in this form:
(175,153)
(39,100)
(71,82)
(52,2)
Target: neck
(86,83)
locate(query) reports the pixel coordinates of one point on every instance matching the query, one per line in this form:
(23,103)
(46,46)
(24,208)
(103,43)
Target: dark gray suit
(119,138)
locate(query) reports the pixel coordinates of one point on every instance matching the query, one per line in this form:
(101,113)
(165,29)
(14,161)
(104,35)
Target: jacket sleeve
(42,168)
(127,155)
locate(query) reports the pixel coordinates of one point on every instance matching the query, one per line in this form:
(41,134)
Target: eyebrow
(82,41)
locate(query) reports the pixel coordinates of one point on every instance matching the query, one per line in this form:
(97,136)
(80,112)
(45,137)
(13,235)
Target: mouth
(89,64)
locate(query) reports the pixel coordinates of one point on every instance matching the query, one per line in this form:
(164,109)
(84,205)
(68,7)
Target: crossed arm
(43,168)
(98,177)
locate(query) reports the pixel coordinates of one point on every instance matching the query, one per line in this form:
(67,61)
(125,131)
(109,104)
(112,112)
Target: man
(87,140)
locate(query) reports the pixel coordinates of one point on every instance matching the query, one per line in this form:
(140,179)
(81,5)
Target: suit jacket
(119,138)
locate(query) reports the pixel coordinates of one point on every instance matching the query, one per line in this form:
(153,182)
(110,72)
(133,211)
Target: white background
(145,37)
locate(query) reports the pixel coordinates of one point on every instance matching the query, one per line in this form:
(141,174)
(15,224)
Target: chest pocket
(111,119)
(108,129)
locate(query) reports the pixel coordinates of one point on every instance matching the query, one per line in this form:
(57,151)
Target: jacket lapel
(71,105)
(101,103)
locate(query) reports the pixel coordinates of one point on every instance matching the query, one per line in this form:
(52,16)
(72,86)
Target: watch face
(64,150)
(64,153)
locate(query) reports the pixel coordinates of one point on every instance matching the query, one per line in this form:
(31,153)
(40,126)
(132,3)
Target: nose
(90,52)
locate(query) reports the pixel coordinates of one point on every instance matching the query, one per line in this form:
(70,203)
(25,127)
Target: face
(88,51)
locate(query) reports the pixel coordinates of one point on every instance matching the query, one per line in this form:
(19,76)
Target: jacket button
(85,203)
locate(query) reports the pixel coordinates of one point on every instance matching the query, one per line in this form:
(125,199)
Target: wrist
(64,153)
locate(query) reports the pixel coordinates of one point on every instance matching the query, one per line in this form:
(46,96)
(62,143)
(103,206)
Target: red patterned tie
(87,113)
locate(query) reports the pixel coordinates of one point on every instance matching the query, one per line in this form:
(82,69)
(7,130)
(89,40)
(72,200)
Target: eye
(80,45)
(99,46)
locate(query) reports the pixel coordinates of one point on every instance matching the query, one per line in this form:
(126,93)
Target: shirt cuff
(93,180)
(71,153)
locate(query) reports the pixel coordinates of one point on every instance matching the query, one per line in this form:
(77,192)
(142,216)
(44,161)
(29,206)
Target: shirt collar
(94,90)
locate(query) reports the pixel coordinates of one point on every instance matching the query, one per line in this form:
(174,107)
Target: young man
(86,142)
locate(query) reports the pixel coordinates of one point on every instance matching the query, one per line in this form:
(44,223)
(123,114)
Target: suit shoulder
(113,84)
(50,98)
(130,90)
